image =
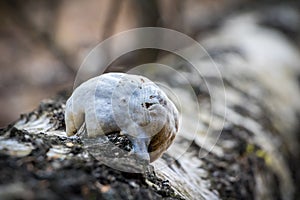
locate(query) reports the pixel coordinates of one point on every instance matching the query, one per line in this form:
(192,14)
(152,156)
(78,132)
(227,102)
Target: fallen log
(256,156)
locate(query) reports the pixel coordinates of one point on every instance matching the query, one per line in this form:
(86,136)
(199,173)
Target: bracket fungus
(131,105)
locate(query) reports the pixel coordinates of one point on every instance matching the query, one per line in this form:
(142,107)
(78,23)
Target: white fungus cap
(130,104)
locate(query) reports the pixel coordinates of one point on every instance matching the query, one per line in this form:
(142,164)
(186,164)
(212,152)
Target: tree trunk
(255,157)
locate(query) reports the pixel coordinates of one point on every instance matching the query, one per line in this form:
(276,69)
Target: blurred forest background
(43,43)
